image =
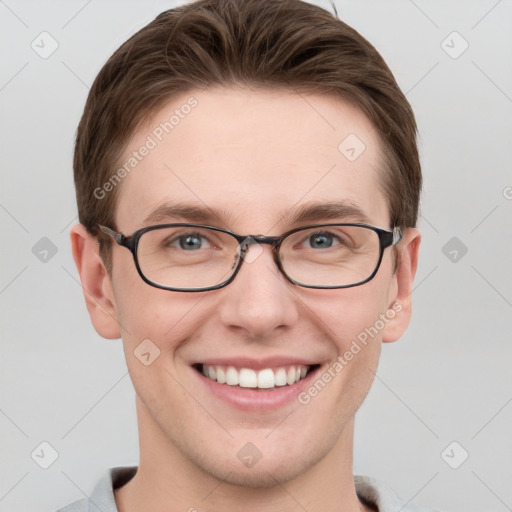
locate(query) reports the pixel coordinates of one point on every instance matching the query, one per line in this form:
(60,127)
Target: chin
(278,464)
(264,474)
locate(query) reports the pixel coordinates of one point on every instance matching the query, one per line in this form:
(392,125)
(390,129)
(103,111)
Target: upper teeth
(249,378)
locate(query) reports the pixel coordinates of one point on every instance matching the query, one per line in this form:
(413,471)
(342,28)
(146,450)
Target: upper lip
(257,364)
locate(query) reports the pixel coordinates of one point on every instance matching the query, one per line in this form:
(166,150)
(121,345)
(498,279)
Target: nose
(260,301)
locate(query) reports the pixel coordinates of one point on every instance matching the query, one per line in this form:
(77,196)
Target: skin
(253,155)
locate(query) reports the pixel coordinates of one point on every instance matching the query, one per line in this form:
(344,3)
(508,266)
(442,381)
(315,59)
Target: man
(248,183)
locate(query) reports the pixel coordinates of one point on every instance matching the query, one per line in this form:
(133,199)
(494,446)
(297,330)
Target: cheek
(351,314)
(167,320)
(150,317)
(155,324)
(353,320)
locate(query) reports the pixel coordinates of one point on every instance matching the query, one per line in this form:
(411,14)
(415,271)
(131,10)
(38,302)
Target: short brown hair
(285,44)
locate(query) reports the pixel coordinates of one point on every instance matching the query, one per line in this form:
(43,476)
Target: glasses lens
(187,257)
(330,256)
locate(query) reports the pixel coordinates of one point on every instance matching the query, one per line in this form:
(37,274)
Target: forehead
(252,158)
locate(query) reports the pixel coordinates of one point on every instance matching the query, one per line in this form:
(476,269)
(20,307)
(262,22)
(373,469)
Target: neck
(167,480)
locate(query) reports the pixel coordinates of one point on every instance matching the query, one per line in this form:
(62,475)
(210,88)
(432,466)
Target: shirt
(102,498)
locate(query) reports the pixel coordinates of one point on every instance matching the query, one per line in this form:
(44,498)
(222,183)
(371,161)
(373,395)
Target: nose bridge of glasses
(247,241)
(259,239)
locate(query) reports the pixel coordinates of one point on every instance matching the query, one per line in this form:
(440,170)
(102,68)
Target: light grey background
(449,379)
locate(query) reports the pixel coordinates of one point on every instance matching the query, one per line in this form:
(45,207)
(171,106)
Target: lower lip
(256,399)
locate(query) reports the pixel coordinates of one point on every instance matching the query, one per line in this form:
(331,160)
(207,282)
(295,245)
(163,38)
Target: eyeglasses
(196,258)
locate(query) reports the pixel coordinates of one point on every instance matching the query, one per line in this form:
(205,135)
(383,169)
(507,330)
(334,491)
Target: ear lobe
(96,283)
(400,307)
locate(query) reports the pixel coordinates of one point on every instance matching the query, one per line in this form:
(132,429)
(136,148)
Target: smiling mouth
(267,378)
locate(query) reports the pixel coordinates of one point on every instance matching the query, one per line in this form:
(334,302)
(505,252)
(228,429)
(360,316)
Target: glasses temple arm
(397,235)
(118,237)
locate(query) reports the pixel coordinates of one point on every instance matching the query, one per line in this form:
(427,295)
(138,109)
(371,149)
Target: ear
(400,301)
(96,283)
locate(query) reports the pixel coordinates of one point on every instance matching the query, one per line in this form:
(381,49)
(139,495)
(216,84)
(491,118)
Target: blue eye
(321,240)
(191,241)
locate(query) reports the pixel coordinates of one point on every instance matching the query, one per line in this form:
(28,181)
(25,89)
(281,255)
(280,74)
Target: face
(250,161)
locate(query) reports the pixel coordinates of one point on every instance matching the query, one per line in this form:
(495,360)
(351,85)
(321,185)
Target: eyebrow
(184,212)
(309,212)
(316,211)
